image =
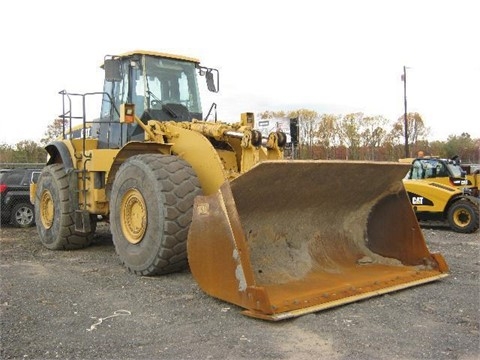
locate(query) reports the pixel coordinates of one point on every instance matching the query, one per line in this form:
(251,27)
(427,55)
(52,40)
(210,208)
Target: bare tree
(272,114)
(328,133)
(416,128)
(373,133)
(349,131)
(54,131)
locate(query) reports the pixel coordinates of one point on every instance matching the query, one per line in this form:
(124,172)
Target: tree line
(29,151)
(353,136)
(356,136)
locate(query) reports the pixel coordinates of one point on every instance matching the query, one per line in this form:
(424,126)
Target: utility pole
(404,78)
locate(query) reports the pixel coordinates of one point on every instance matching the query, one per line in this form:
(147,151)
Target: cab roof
(159,54)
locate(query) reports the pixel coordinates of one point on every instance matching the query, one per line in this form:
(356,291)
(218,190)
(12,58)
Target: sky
(334,57)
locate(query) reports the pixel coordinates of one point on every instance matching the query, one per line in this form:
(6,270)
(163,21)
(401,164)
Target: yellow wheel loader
(279,238)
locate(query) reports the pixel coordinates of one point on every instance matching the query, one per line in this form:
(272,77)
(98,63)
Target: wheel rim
(24,216)
(46,209)
(133,216)
(461,218)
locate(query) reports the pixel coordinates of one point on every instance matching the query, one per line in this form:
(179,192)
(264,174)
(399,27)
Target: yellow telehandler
(440,190)
(279,238)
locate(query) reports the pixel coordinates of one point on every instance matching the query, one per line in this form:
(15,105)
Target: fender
(473,199)
(59,153)
(453,200)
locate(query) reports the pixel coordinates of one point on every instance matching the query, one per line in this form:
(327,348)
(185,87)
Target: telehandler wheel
(463,216)
(150,212)
(54,211)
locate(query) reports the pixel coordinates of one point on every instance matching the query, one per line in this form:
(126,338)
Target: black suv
(15,206)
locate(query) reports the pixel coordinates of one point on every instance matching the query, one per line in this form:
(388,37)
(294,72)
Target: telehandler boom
(277,237)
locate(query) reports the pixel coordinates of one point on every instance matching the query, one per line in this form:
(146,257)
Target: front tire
(463,216)
(54,211)
(151,210)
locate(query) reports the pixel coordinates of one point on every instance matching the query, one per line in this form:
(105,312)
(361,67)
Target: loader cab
(162,87)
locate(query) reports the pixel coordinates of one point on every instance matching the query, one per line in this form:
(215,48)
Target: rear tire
(151,210)
(54,211)
(463,216)
(23,215)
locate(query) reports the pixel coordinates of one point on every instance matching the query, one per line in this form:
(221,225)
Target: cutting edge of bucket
(335,303)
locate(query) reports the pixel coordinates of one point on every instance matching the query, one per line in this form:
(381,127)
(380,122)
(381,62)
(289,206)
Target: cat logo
(460,182)
(417,200)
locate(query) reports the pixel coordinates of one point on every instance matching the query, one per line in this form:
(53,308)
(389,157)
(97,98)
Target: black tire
(23,215)
(463,216)
(150,212)
(54,211)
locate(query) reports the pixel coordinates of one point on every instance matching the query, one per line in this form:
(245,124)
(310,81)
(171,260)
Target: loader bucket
(293,237)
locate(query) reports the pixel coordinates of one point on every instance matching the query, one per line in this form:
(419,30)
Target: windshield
(455,170)
(168,81)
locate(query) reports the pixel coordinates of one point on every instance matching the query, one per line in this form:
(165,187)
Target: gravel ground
(84,305)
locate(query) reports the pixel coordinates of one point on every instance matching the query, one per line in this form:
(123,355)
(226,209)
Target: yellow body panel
(100,159)
(199,153)
(430,196)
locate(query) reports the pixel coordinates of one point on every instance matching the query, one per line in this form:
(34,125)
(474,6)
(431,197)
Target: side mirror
(113,69)
(210,82)
(213,82)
